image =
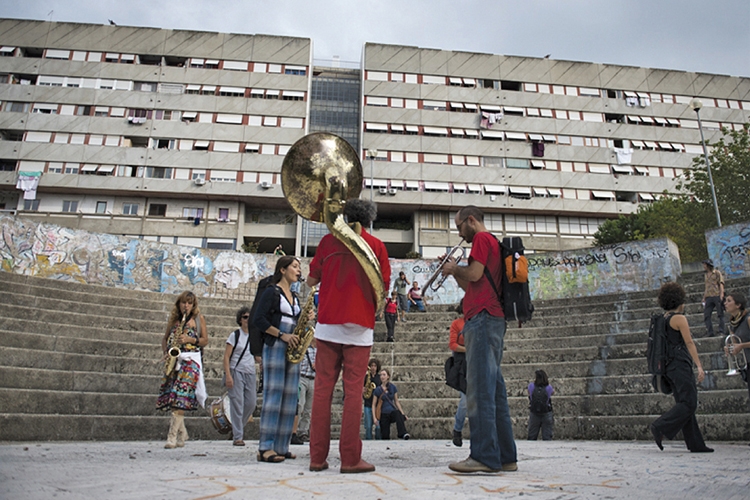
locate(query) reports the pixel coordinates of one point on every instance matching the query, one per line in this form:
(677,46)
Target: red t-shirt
(346,295)
(479,294)
(391,306)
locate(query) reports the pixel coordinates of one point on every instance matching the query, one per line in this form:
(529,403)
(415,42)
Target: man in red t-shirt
(492,445)
(344,334)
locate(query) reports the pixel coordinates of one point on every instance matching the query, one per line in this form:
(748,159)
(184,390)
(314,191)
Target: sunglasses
(245,316)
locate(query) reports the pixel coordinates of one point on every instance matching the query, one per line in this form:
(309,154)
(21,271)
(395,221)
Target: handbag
(378,407)
(455,372)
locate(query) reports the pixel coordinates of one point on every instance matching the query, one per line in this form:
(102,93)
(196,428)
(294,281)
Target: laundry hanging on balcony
(28,182)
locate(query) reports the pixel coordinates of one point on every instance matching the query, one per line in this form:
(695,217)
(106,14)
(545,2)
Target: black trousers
(681,417)
(386,419)
(390,323)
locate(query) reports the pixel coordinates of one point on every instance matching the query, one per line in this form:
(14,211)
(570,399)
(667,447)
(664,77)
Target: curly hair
(243,310)
(671,296)
(359,210)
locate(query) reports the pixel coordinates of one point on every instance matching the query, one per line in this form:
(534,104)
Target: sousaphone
(320,173)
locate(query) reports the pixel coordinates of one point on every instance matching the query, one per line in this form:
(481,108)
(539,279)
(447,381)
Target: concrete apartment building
(179,136)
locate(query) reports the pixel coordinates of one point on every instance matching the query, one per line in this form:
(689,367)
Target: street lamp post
(696,104)
(372,153)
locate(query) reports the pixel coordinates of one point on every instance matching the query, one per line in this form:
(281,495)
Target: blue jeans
(419,304)
(460,413)
(492,440)
(368,424)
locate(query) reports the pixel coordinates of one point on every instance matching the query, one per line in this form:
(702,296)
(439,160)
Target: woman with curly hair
(682,355)
(184,388)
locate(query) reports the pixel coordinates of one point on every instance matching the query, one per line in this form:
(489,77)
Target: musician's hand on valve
(449,268)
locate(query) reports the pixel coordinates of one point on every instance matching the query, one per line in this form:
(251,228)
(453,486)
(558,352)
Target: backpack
(657,353)
(539,400)
(256,336)
(515,298)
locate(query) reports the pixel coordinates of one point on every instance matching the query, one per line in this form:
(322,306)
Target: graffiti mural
(50,251)
(729,248)
(624,267)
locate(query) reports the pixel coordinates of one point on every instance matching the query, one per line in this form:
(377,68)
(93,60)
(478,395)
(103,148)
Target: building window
(32,205)
(17,107)
(159,172)
(223,215)
(192,213)
(130,208)
(101,207)
(70,206)
(157,209)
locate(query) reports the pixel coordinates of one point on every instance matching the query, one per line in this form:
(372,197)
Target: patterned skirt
(177,391)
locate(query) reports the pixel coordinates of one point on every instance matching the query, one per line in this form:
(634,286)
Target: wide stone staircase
(80,362)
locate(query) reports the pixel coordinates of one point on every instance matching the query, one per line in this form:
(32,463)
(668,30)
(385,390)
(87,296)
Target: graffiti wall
(50,251)
(624,267)
(729,249)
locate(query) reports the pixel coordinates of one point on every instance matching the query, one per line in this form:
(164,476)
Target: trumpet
(735,359)
(437,279)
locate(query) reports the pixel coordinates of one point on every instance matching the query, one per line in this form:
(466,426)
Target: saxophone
(369,386)
(304,331)
(174,347)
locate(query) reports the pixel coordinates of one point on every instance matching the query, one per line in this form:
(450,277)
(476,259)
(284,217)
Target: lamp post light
(371,154)
(696,104)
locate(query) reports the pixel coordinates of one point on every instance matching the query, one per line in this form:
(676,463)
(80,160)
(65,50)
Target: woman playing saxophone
(183,388)
(276,316)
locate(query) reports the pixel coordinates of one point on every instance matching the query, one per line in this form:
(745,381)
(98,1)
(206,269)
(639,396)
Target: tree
(671,216)
(730,168)
(685,216)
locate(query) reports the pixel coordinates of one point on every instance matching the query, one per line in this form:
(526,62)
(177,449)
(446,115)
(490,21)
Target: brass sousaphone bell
(320,173)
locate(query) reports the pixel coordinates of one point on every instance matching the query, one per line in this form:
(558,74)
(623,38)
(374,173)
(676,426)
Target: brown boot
(172,435)
(182,434)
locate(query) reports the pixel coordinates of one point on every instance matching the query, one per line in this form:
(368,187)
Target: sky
(709,36)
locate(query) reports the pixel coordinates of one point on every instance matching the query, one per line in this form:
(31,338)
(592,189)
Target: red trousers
(328,362)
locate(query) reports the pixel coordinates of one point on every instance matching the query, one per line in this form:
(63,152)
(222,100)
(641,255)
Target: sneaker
(470,465)
(389,339)
(457,439)
(406,437)
(296,440)
(510,467)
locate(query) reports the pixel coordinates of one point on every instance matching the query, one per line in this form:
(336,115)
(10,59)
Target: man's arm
(464,274)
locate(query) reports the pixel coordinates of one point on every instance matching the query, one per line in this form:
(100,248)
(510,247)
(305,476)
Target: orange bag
(517,268)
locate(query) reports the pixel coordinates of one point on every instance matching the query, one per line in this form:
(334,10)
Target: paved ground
(405,470)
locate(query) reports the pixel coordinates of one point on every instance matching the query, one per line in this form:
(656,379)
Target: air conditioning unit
(383,190)
(392,191)
(266,185)
(199,181)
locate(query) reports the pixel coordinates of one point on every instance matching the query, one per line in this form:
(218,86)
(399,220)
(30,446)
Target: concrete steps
(80,362)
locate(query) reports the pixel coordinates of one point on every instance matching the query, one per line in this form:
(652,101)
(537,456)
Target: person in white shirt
(239,373)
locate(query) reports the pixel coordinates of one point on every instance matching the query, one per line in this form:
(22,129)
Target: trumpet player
(739,325)
(492,445)
(344,333)
(184,388)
